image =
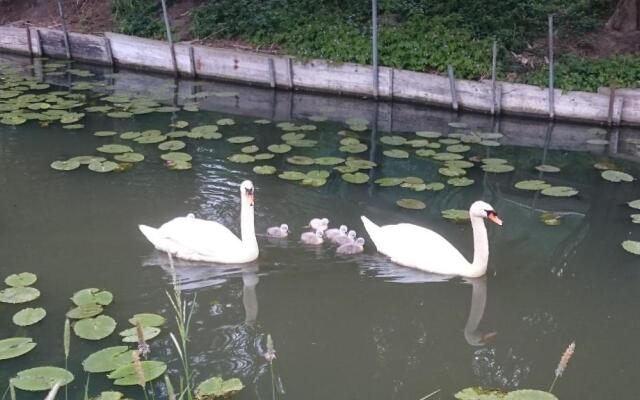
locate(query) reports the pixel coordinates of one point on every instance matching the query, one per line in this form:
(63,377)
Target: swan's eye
(249,191)
(491,213)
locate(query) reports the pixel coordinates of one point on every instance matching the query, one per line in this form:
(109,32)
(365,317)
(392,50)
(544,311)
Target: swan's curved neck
(480,248)
(247,227)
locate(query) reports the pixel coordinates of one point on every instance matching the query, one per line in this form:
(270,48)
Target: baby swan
(281,231)
(314,238)
(352,248)
(319,224)
(333,232)
(345,239)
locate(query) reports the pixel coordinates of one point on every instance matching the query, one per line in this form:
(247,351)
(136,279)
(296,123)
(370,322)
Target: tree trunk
(626,17)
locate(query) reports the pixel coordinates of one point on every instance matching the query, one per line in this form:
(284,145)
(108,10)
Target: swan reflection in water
(490,363)
(236,349)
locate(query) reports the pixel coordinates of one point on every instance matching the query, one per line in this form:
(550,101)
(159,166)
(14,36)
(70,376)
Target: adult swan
(196,239)
(417,247)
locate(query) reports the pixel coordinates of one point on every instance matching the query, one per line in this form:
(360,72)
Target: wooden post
(192,60)
(29,42)
(272,73)
(452,86)
(391,76)
(493,77)
(66,32)
(612,100)
(290,72)
(169,38)
(40,47)
(551,93)
(374,46)
(107,48)
(498,102)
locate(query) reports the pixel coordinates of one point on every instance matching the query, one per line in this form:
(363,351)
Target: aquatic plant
(562,365)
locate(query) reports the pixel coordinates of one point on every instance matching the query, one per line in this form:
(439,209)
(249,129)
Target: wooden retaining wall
(317,75)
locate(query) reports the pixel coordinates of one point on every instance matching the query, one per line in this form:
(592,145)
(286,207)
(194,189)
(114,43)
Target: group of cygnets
(320,232)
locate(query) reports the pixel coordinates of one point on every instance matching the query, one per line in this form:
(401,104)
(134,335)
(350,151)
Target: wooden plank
(140,53)
(452,88)
(272,72)
(14,39)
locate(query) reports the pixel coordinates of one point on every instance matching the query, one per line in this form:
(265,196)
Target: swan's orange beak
(249,194)
(494,217)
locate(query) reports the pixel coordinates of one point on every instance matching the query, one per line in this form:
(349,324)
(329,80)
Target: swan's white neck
(480,248)
(247,227)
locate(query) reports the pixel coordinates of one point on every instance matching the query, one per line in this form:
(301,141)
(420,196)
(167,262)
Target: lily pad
(214,388)
(250,149)
(616,176)
(68,165)
(300,160)
(109,395)
(604,165)
(15,347)
(329,160)
(85,311)
(490,143)
(411,204)
(92,296)
(458,148)
(292,175)
(172,145)
(126,375)
(459,164)
(449,141)
(634,204)
(385,182)
(131,336)
(292,136)
(429,134)
(21,280)
(547,168)
(631,246)
(29,316)
(119,114)
(17,295)
(95,328)
(550,219)
(108,359)
(559,191)
(264,169)
(41,378)
(497,168)
(178,165)
(241,158)
(147,319)
(129,157)
(434,186)
(130,135)
(534,184)
(396,153)
(240,139)
(460,182)
(393,140)
(176,156)
(635,218)
(104,166)
(452,171)
(447,156)
(354,148)
(225,121)
(302,143)
(105,133)
(494,161)
(456,215)
(357,178)
(476,393)
(425,152)
(529,394)
(360,164)
(279,148)
(114,148)
(150,139)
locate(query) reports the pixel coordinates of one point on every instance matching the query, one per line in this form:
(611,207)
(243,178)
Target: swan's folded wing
(200,236)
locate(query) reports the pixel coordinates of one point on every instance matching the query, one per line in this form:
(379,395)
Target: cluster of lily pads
(633,246)
(475,393)
(116,361)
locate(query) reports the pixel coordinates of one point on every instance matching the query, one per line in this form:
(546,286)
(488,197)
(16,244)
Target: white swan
(417,247)
(314,238)
(333,232)
(281,231)
(351,248)
(196,239)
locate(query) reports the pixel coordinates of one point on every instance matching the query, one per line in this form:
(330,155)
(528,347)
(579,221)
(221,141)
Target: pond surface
(356,327)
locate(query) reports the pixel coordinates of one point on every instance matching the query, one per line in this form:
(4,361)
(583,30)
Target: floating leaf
(393,140)
(475,393)
(384,182)
(264,169)
(634,204)
(411,204)
(494,161)
(604,165)
(264,156)
(631,246)
(130,335)
(490,143)
(459,164)
(533,184)
(412,180)
(21,280)
(447,156)
(635,218)
(150,139)
(429,134)
(16,295)
(240,139)
(529,394)
(360,164)
(114,148)
(434,186)
(172,145)
(178,165)
(95,328)
(316,178)
(85,311)
(547,168)
(108,359)
(250,149)
(458,148)
(354,148)
(180,124)
(456,215)
(105,133)
(225,121)
(147,319)
(550,219)
(68,165)
(15,347)
(308,127)
(418,143)
(616,176)
(357,178)
(300,160)
(449,141)
(292,175)
(120,114)
(559,191)
(349,141)
(302,143)
(396,153)
(460,182)
(292,136)
(425,152)
(41,378)
(92,296)
(497,168)
(177,134)
(279,148)
(329,160)
(241,158)
(126,375)
(104,166)
(452,171)
(29,316)
(12,120)
(129,157)
(176,156)
(130,135)
(217,387)
(109,395)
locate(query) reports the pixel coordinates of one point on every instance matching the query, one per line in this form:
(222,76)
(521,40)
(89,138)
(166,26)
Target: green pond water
(356,327)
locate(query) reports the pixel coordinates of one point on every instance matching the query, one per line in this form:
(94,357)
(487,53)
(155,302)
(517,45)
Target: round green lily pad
(131,335)
(494,161)
(21,280)
(559,191)
(292,136)
(460,182)
(385,182)
(634,204)
(447,156)
(102,167)
(547,168)
(178,165)
(250,149)
(616,176)
(172,145)
(393,140)
(130,135)
(68,165)
(300,160)
(459,164)
(105,133)
(114,148)
(84,311)
(41,378)
(264,169)
(240,139)
(354,148)
(241,158)
(108,359)
(264,156)
(425,152)
(533,184)
(302,143)
(356,177)
(262,121)
(458,148)
(292,175)
(279,148)
(529,394)
(631,246)
(176,156)
(449,141)
(95,328)
(129,157)
(15,347)
(225,121)
(120,114)
(150,139)
(16,295)
(29,316)
(429,134)
(452,171)
(360,164)
(216,387)
(329,160)
(456,215)
(490,143)
(147,319)
(109,395)
(411,204)
(434,186)
(550,219)
(497,168)
(86,160)
(396,153)
(92,296)
(126,375)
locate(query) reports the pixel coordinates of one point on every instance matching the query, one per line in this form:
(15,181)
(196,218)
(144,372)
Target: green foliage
(138,17)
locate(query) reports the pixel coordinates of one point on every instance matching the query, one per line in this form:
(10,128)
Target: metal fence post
(552,111)
(66,32)
(169,38)
(374,45)
(452,87)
